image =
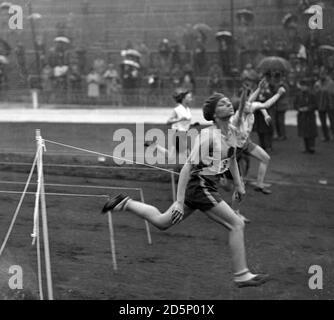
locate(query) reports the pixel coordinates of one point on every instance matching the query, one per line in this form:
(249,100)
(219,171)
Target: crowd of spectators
(143,75)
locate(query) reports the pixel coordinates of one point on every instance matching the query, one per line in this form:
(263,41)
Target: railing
(140,97)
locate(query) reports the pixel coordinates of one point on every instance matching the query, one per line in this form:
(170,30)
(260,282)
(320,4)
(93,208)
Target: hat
(209,106)
(180,94)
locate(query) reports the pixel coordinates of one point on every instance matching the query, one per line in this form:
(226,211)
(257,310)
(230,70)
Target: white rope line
(20,203)
(73,185)
(110,156)
(59,194)
(79,166)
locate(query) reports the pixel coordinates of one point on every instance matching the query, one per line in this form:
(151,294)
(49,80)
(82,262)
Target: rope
(58,194)
(73,185)
(109,156)
(19,205)
(76,166)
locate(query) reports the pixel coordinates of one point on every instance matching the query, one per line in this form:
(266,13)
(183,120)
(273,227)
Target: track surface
(291,230)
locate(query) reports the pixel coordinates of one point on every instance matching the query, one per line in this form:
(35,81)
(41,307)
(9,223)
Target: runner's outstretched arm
(269,102)
(255,94)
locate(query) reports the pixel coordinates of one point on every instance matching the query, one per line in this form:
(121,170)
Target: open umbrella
(248,14)
(5,5)
(62,39)
(35,16)
(3,60)
(273,63)
(203,29)
(227,35)
(130,52)
(289,19)
(131,63)
(327,48)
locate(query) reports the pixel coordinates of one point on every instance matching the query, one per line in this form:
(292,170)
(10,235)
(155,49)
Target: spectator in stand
(278,80)
(75,81)
(249,73)
(312,43)
(52,57)
(41,49)
(305,105)
(175,56)
(113,85)
(153,81)
(60,76)
(176,76)
(215,82)
(188,79)
(145,56)
(99,65)
(130,81)
(21,59)
(3,78)
(93,85)
(263,124)
(324,90)
(280,49)
(199,58)
(47,83)
(164,54)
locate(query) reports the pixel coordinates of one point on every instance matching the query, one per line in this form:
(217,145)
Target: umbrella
(3,60)
(5,5)
(248,14)
(62,39)
(310,10)
(130,52)
(273,63)
(288,19)
(224,34)
(202,27)
(326,47)
(35,16)
(131,63)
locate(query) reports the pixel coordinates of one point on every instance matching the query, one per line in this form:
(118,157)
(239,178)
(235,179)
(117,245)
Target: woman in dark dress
(263,124)
(305,104)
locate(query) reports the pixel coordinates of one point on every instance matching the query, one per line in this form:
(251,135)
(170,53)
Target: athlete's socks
(243,275)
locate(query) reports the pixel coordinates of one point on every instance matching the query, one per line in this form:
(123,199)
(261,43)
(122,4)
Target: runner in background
(180,120)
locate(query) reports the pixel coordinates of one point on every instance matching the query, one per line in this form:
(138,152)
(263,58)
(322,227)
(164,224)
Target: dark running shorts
(202,193)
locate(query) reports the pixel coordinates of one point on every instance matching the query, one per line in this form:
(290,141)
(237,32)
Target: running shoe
(254,184)
(258,280)
(115,204)
(263,190)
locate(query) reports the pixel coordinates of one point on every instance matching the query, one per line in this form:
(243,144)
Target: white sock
(244,275)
